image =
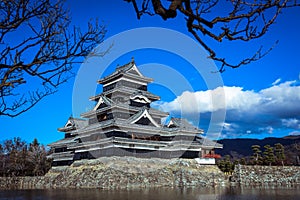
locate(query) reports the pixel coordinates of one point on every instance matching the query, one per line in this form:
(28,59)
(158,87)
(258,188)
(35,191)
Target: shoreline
(122,172)
(130,173)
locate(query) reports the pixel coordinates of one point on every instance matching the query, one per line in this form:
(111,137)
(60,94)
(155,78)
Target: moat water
(223,193)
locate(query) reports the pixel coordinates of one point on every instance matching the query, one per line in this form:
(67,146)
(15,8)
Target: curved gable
(102,102)
(144,114)
(140,98)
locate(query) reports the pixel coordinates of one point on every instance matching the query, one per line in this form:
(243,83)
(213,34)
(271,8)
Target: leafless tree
(17,158)
(242,20)
(14,156)
(38,48)
(37,159)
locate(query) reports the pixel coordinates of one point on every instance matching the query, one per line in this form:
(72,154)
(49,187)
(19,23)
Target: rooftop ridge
(124,69)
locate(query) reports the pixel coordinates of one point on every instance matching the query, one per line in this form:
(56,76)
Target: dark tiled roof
(80,123)
(125,67)
(106,100)
(121,69)
(74,124)
(62,142)
(138,114)
(182,123)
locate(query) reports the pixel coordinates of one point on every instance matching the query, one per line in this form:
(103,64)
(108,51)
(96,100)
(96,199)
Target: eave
(122,107)
(127,91)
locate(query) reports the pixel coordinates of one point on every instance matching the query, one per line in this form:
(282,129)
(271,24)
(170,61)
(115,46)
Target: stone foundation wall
(122,172)
(266,175)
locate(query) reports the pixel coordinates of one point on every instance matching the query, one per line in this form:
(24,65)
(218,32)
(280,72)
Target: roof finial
(132,59)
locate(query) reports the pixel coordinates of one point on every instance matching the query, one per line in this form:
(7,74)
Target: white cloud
(276,81)
(278,97)
(282,92)
(213,100)
(291,123)
(229,127)
(190,102)
(268,129)
(294,133)
(247,111)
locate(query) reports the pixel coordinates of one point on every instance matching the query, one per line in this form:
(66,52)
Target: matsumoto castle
(122,123)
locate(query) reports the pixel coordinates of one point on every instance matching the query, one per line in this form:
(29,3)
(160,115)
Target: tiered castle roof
(122,118)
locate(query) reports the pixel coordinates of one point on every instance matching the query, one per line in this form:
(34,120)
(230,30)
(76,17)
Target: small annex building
(122,123)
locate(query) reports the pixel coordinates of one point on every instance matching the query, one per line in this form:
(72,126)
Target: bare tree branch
(36,44)
(244,21)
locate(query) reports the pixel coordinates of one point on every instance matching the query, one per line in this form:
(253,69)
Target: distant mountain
(243,146)
(294,137)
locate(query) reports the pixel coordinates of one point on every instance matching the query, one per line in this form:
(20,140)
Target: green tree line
(272,156)
(18,158)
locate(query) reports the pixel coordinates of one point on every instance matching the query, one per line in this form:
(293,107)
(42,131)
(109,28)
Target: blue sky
(262,99)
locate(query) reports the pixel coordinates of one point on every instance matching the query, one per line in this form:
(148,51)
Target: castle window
(102,117)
